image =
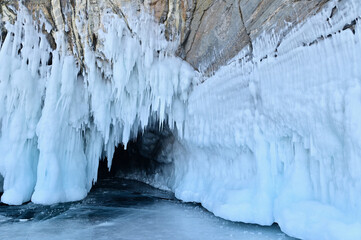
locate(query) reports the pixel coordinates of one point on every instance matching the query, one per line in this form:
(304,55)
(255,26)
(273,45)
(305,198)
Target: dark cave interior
(140,156)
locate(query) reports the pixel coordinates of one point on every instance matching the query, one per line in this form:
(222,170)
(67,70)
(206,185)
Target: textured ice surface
(273,139)
(277,139)
(123,209)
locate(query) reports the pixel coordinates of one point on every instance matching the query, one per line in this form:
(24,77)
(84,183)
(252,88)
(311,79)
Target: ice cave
(249,110)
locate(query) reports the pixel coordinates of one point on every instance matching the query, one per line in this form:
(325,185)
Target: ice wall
(59,119)
(277,139)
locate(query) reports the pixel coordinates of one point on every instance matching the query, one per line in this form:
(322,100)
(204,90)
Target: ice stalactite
(59,120)
(22,86)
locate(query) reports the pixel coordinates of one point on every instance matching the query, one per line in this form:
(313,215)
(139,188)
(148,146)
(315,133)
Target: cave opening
(1,185)
(143,156)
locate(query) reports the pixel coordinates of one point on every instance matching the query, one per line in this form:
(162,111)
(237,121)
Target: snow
(274,139)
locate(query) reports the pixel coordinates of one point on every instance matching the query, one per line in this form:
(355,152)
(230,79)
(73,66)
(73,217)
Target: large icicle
(58,121)
(22,80)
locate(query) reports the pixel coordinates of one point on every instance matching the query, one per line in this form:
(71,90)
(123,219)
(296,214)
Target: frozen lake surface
(124,209)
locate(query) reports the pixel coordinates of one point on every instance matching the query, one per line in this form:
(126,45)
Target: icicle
(56,121)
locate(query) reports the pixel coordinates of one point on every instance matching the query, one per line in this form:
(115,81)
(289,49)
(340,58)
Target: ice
(58,121)
(277,140)
(123,209)
(272,139)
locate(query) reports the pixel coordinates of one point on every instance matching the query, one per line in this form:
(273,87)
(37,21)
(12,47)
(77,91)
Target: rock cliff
(208,32)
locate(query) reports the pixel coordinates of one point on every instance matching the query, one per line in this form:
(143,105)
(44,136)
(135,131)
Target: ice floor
(124,209)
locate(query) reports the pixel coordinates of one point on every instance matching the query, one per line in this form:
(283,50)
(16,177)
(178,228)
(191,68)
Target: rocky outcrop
(209,32)
(220,29)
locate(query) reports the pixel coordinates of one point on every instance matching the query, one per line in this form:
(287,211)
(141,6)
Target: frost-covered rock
(208,32)
(276,139)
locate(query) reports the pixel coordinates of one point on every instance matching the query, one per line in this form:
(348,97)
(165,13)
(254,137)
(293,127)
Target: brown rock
(210,32)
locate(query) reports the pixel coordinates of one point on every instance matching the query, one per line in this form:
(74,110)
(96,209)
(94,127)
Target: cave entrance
(1,185)
(143,157)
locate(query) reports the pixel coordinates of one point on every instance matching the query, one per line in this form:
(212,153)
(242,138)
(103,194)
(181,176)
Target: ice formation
(57,121)
(272,139)
(277,139)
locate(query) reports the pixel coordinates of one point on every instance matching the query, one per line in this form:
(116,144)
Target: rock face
(209,32)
